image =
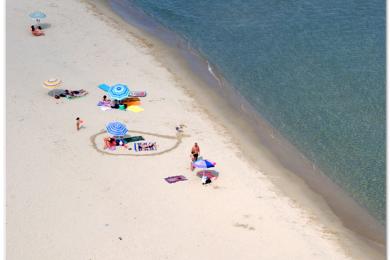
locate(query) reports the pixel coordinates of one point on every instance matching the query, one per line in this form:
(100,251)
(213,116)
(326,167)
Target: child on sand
(78,123)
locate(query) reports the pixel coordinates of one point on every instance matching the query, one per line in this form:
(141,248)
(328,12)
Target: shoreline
(69,198)
(207,84)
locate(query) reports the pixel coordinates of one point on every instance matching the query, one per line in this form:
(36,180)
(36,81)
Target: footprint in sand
(245,226)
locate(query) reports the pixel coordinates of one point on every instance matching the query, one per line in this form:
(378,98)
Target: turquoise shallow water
(314,69)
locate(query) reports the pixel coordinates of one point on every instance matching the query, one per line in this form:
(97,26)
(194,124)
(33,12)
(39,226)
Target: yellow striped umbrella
(52,84)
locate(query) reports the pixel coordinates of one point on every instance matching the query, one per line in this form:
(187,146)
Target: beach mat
(135,109)
(132,103)
(173,179)
(133,139)
(131,99)
(208,173)
(137,94)
(104,87)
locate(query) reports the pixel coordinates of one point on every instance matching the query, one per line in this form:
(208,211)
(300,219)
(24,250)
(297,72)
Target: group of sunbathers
(116,104)
(111,142)
(149,146)
(72,93)
(37,31)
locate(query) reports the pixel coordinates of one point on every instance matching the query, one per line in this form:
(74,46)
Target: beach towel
(132,101)
(173,179)
(145,146)
(81,93)
(104,108)
(104,103)
(133,139)
(112,148)
(104,87)
(137,94)
(135,109)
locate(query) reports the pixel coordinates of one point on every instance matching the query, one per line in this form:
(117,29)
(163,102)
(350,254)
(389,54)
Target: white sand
(66,200)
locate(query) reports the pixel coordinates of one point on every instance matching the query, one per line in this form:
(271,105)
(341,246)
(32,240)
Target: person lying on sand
(115,104)
(75,93)
(112,142)
(109,142)
(147,146)
(37,31)
(179,129)
(120,142)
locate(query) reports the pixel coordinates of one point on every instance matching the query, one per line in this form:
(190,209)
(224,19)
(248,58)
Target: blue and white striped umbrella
(118,92)
(38,15)
(116,128)
(203,164)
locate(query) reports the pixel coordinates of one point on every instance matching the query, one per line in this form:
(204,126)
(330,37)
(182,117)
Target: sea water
(315,70)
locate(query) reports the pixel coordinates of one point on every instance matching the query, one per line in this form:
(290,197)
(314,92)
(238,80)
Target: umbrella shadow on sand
(54,92)
(45,25)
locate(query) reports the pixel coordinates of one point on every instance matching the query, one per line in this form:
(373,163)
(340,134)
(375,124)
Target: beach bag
(205,180)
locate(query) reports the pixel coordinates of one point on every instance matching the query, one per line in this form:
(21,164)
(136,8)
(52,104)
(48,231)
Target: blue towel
(104,87)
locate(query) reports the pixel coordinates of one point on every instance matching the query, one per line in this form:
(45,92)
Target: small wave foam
(210,69)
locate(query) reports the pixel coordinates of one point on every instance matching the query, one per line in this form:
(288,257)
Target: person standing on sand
(78,123)
(195,150)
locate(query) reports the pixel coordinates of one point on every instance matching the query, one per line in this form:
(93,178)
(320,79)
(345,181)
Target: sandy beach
(68,198)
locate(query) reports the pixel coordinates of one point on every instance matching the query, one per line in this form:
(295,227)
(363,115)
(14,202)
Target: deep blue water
(315,69)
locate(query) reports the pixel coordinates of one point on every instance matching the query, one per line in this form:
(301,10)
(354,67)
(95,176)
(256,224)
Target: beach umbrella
(203,164)
(118,92)
(52,83)
(116,128)
(37,16)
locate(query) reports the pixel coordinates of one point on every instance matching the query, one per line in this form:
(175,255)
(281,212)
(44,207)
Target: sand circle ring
(177,140)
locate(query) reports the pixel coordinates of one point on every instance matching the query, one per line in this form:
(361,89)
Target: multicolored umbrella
(211,174)
(203,164)
(116,128)
(118,92)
